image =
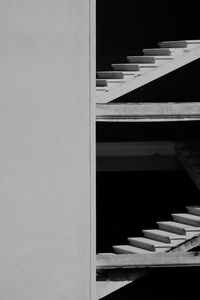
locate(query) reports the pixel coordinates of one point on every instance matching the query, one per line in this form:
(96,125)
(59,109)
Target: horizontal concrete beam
(145,112)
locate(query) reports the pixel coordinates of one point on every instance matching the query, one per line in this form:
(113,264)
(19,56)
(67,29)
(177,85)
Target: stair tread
(102,88)
(187,41)
(106,253)
(115,80)
(148,65)
(160,57)
(131,73)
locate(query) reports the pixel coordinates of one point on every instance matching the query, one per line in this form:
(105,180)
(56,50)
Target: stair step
(179,228)
(127,249)
(101,82)
(125,67)
(110,83)
(148,244)
(156,60)
(132,74)
(106,253)
(148,65)
(115,80)
(163,57)
(102,88)
(193,41)
(110,75)
(163,236)
(141,59)
(163,51)
(194,210)
(180,44)
(187,219)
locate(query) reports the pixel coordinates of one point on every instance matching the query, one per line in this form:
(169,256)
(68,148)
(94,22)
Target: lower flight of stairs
(169,234)
(180,234)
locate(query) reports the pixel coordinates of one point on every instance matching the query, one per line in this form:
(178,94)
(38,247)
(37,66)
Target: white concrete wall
(44,150)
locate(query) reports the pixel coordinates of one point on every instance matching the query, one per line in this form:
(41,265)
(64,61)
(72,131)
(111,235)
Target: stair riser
(125,249)
(161,52)
(156,237)
(141,60)
(110,75)
(163,239)
(193,211)
(101,83)
(142,245)
(156,52)
(172,45)
(125,67)
(120,251)
(158,62)
(178,45)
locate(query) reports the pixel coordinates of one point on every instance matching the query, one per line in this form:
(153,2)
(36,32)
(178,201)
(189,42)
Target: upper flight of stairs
(140,70)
